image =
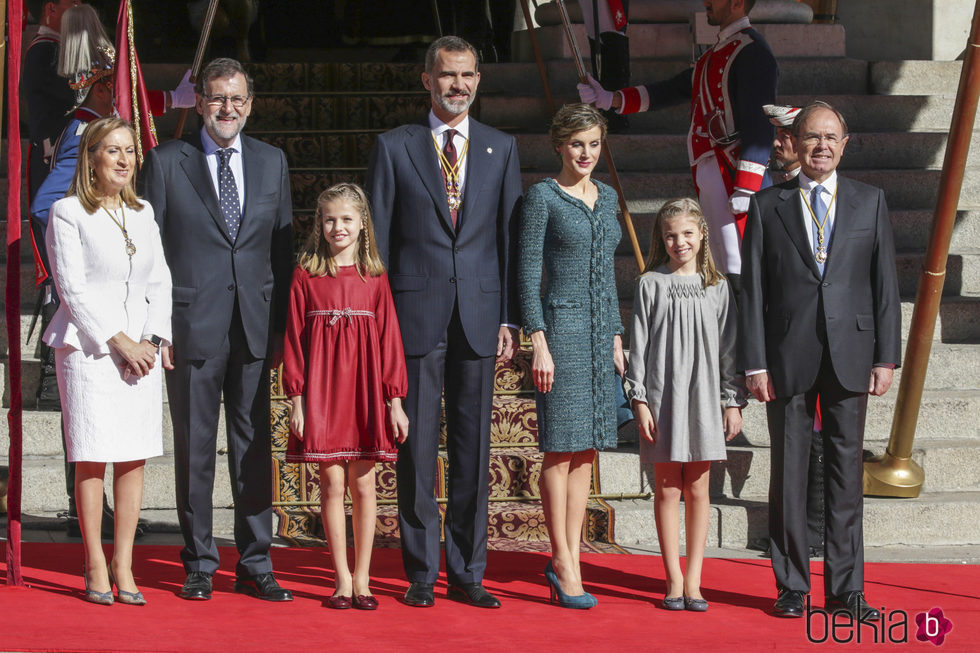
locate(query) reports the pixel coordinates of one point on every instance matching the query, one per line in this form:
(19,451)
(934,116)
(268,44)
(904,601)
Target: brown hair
(221,68)
(315,257)
(677,208)
(83,183)
(572,119)
(449,44)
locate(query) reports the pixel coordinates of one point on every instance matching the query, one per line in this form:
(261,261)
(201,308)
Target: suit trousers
(468,382)
(195,389)
(790,431)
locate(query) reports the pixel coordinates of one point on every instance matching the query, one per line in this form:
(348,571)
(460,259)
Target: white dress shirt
(439,128)
(235,163)
(830,201)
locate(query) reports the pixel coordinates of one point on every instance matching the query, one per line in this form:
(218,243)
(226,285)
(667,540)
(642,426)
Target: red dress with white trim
(343,352)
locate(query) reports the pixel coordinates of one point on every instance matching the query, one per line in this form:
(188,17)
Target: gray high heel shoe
(101,598)
(124,597)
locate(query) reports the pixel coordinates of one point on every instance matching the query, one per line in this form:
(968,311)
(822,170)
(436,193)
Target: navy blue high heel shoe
(583,601)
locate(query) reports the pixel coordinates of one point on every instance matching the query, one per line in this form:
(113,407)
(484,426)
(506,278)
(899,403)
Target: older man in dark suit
(443,194)
(820,316)
(223,204)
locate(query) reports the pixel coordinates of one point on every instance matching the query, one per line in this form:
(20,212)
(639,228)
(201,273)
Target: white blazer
(102,290)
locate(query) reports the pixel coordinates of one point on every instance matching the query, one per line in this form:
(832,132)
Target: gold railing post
(895,474)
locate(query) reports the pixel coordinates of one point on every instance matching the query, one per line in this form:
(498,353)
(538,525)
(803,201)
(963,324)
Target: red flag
(132,99)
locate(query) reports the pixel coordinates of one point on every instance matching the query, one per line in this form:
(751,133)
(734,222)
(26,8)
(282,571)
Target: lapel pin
(489,150)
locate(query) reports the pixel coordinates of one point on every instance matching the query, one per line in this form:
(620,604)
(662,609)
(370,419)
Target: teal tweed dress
(578,311)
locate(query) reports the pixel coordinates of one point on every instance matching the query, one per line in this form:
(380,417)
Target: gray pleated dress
(682,363)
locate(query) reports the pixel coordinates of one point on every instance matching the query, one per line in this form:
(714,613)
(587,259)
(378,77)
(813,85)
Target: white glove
(593,93)
(739,201)
(183,96)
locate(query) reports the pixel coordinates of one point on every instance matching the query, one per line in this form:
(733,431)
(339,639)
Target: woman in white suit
(108,265)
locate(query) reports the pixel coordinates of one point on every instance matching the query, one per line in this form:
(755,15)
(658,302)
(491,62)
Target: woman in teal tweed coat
(569,228)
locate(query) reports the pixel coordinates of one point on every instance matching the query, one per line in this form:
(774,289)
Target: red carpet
(51,616)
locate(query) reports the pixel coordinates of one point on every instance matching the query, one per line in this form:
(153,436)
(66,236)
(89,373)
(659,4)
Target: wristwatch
(154,340)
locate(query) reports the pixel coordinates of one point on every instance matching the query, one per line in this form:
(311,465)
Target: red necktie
(449,150)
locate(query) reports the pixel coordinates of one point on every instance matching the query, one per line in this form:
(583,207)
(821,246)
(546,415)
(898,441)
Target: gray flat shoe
(673,603)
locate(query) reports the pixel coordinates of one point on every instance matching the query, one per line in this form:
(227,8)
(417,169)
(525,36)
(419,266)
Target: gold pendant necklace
(453,193)
(821,254)
(130,247)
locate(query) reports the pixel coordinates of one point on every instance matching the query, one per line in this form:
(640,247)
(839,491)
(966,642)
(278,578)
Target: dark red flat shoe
(338,602)
(362,602)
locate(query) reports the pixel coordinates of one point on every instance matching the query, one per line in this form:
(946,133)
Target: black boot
(614,73)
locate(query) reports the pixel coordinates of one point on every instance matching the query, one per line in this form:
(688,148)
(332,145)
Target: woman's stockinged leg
(666,510)
(361,480)
(577,498)
(332,489)
(554,497)
(89,488)
(127,493)
(697,513)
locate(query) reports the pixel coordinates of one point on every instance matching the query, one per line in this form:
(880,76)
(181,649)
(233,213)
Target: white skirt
(108,419)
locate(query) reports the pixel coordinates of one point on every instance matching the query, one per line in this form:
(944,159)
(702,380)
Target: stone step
(943,415)
(44,483)
(864,113)
(962,272)
(914,77)
(939,519)
(949,466)
(911,229)
(654,152)
(673,41)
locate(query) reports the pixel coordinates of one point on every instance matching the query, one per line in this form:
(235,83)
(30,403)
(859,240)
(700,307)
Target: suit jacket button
(456,249)
(452,279)
(825,284)
(231,286)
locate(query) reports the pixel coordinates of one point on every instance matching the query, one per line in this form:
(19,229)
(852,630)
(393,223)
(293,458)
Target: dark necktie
(449,150)
(820,213)
(228,194)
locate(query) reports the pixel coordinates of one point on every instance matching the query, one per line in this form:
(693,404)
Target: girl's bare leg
(332,489)
(666,511)
(362,492)
(697,514)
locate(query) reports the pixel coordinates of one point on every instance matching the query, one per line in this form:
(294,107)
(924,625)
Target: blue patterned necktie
(820,215)
(228,194)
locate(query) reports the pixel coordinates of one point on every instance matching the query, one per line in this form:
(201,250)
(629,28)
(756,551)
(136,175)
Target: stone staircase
(325,116)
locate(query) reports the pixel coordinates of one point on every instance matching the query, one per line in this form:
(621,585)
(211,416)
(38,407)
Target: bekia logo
(892,628)
(933,626)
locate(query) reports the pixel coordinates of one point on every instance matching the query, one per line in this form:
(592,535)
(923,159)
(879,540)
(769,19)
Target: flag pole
(606,151)
(12,15)
(202,45)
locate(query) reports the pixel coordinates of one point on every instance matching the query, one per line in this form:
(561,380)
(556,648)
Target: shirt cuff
(890,366)
(754,372)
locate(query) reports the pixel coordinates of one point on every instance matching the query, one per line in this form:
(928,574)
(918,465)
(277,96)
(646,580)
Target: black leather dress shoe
(197,587)
(473,594)
(789,603)
(262,586)
(420,595)
(852,603)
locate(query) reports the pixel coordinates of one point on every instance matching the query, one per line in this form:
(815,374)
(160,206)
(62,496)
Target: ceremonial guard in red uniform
(729,137)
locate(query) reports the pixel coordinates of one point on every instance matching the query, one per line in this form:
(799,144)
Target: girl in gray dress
(569,228)
(682,374)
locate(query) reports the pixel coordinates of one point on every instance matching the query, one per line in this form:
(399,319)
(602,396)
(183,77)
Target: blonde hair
(315,257)
(83,184)
(677,208)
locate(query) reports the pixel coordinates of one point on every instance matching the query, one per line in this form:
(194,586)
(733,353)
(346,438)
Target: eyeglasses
(237,101)
(814,139)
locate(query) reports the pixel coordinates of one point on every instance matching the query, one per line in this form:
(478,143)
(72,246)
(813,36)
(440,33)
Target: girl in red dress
(344,372)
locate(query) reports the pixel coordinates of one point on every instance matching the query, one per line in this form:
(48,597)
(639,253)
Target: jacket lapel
(422,153)
(791,214)
(478,159)
(843,220)
(195,166)
(252,171)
